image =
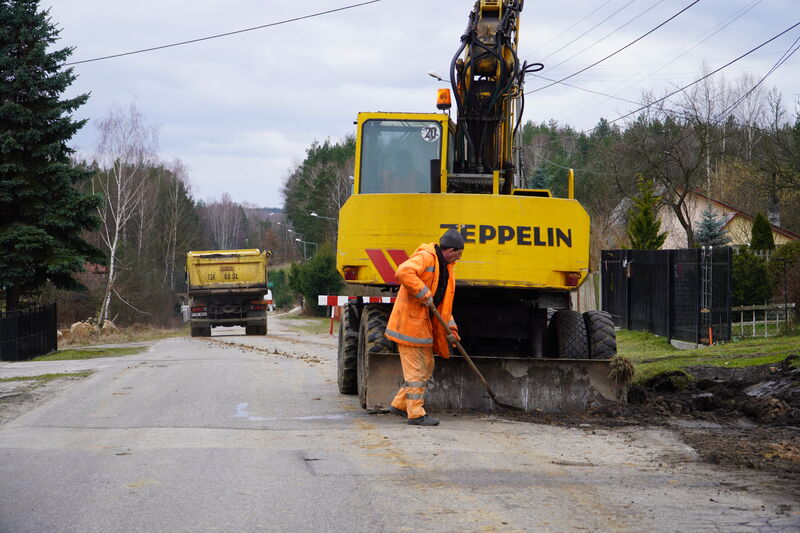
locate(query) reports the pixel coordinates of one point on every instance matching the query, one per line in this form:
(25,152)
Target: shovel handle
(463,352)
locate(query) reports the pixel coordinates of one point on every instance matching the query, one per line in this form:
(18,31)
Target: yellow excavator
(417,174)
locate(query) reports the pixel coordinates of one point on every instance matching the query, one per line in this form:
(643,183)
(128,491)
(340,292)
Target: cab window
(396,155)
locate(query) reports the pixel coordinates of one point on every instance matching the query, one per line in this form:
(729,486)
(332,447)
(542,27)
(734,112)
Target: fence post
(670,296)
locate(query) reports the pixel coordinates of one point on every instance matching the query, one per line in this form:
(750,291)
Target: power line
(595,10)
(587,31)
(673,93)
(785,57)
(729,63)
(714,30)
(295,19)
(618,51)
(586,90)
(606,36)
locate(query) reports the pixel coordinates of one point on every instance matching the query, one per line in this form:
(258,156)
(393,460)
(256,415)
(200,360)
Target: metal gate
(681,294)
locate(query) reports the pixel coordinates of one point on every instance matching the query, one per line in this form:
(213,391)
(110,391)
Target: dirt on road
(737,418)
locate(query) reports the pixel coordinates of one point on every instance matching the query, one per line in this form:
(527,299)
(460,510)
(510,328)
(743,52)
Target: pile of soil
(766,394)
(737,417)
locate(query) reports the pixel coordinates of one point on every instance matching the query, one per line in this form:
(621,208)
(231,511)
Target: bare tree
(176,189)
(703,106)
(750,113)
(225,222)
(126,146)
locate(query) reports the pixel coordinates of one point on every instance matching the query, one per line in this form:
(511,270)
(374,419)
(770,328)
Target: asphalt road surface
(239,434)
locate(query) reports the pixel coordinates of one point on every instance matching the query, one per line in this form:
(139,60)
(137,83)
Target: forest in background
(737,145)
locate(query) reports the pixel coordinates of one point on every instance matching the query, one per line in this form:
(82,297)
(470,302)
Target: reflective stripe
(452,323)
(430,269)
(415,396)
(422,293)
(415,340)
(415,384)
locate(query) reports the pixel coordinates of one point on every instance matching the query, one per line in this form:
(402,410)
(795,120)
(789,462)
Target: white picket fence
(760,320)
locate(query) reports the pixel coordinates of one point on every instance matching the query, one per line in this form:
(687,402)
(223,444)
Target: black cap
(452,239)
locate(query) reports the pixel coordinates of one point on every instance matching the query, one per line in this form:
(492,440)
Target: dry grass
(622,370)
(135,333)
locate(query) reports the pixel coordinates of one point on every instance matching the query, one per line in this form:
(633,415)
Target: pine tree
(761,238)
(710,231)
(539,179)
(643,222)
(42,214)
(751,284)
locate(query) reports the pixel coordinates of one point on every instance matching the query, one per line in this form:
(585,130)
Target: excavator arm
(487,79)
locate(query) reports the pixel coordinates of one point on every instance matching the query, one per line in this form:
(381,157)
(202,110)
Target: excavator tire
(347,361)
(374,318)
(566,336)
(601,334)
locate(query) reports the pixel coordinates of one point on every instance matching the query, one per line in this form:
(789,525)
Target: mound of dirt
(734,417)
(767,394)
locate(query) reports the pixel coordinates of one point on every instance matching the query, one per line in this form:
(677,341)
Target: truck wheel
(374,318)
(566,336)
(601,334)
(250,330)
(347,360)
(201,331)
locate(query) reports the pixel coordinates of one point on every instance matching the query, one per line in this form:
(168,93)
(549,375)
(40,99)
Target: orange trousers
(417,363)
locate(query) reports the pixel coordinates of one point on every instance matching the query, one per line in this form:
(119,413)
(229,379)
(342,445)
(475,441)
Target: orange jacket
(410,322)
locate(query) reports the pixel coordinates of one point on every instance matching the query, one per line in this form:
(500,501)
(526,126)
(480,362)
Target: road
(237,433)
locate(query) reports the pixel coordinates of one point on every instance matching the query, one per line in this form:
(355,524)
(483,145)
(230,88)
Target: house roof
(739,212)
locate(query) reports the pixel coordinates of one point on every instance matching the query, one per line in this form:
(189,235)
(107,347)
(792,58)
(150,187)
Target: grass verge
(49,377)
(653,355)
(313,325)
(132,334)
(89,353)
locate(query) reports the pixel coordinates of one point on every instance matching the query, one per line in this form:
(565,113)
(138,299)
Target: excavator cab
(396,153)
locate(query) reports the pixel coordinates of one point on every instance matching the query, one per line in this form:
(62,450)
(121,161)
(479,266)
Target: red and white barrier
(378,299)
(335,302)
(323,299)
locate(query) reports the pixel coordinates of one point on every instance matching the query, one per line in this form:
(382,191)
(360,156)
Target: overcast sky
(239,111)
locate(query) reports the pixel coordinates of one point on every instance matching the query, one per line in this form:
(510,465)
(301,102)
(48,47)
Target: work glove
(429,302)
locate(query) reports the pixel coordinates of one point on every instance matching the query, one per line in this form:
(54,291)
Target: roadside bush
(751,284)
(316,276)
(282,296)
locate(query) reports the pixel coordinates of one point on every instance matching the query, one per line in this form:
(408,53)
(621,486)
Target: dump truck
(227,288)
(418,174)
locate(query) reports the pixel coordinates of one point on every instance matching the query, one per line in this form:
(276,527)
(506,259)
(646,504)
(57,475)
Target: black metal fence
(28,333)
(680,294)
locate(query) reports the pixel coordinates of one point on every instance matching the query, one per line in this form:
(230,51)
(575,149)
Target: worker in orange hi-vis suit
(426,279)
